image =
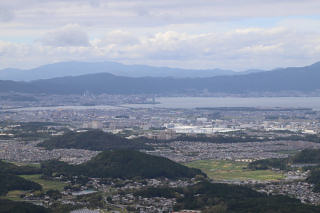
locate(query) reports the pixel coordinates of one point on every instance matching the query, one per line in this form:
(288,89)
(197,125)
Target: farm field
(14,195)
(232,170)
(46,184)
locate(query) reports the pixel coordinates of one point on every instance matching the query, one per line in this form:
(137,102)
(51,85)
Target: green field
(36,165)
(14,195)
(231,170)
(46,184)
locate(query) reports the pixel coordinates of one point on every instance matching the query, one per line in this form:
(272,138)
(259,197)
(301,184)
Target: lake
(261,102)
(194,102)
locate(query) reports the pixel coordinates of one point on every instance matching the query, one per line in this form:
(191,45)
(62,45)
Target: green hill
(92,140)
(9,168)
(123,164)
(227,198)
(10,182)
(307,156)
(8,206)
(212,197)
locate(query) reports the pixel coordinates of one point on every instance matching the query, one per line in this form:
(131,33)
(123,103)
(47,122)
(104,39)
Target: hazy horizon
(157,66)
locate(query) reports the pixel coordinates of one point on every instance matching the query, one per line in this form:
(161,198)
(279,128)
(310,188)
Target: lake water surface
(261,102)
(195,102)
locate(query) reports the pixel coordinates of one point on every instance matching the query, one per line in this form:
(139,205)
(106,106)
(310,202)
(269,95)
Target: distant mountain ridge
(73,68)
(295,79)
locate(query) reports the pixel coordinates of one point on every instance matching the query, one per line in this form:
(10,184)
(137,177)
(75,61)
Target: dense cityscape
(239,135)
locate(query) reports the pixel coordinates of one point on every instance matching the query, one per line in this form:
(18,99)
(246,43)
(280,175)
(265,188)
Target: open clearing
(46,184)
(14,195)
(232,170)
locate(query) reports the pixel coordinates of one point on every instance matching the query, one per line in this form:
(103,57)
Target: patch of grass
(14,195)
(46,184)
(114,209)
(289,152)
(231,170)
(36,165)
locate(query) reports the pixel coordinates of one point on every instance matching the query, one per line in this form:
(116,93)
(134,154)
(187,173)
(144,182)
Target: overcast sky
(229,34)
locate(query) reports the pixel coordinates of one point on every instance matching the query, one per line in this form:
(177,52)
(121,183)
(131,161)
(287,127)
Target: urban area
(222,142)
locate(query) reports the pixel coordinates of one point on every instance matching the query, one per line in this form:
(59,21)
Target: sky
(198,34)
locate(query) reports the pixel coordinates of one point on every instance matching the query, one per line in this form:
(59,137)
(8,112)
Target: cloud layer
(70,35)
(232,34)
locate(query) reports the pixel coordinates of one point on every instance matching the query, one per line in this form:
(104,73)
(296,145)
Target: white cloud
(237,49)
(236,34)
(137,13)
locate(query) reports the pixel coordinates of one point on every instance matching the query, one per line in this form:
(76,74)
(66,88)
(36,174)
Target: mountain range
(73,68)
(293,79)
